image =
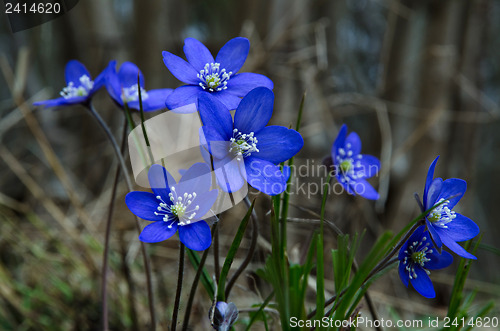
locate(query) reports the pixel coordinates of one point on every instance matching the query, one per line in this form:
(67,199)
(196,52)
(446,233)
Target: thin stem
(113,142)
(104,284)
(216,256)
(128,181)
(251,249)
(382,264)
(194,286)
(180,275)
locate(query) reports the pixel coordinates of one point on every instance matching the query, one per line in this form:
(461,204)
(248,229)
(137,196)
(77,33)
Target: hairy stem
(180,277)
(194,286)
(104,284)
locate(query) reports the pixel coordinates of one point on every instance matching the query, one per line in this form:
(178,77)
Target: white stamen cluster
(71,91)
(243,144)
(177,209)
(416,254)
(442,215)
(213,78)
(132,93)
(346,163)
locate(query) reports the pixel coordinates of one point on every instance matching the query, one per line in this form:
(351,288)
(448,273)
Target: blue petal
(355,142)
(73,71)
(423,283)
(143,205)
(233,54)
(228,173)
(158,231)
(417,234)
(433,193)
(339,142)
(113,83)
(60,102)
(453,187)
(241,84)
(156,99)
(128,75)
(215,114)
(428,180)
(364,189)
(205,202)
(264,176)
(254,111)
(344,184)
(277,144)
(99,81)
(230,101)
(460,229)
(212,141)
(198,177)
(438,261)
(369,166)
(197,54)
(196,236)
(402,254)
(403,273)
(183,96)
(181,69)
(453,246)
(160,181)
(434,234)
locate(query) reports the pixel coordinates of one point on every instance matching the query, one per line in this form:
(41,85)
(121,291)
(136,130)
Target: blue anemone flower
(223,315)
(122,87)
(445,225)
(351,167)
(218,77)
(176,206)
(416,257)
(80,86)
(247,150)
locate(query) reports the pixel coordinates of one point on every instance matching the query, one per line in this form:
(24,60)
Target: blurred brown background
(415,79)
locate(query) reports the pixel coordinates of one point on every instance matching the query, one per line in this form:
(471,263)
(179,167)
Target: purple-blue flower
(176,206)
(416,257)
(217,77)
(122,87)
(445,225)
(247,149)
(351,167)
(80,86)
(223,315)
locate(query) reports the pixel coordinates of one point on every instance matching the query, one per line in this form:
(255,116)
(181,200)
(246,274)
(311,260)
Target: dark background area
(415,79)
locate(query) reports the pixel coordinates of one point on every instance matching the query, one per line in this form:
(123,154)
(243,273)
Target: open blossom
(217,77)
(80,86)
(444,224)
(416,257)
(122,87)
(351,167)
(247,150)
(176,206)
